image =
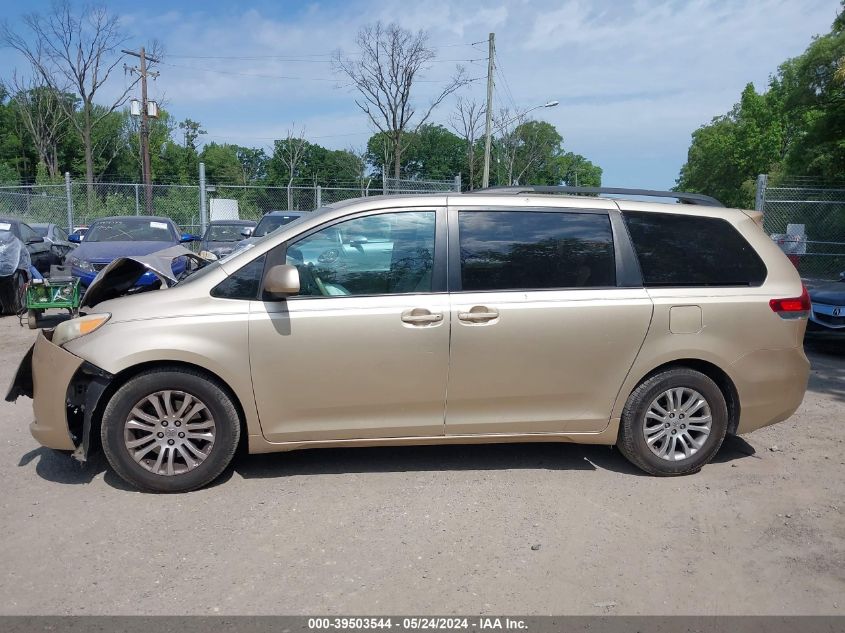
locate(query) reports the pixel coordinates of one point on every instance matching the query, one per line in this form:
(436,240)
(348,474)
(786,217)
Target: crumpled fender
(121,275)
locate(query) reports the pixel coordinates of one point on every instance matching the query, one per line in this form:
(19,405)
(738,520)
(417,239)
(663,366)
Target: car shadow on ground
(529,456)
(61,467)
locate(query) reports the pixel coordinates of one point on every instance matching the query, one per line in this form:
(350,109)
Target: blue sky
(634,79)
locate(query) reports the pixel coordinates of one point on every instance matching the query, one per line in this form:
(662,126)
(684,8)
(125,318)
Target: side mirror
(187,237)
(282,280)
(75,238)
(247,232)
(35,240)
(358,240)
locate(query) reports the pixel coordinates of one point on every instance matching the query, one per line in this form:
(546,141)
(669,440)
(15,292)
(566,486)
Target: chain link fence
(807,221)
(76,203)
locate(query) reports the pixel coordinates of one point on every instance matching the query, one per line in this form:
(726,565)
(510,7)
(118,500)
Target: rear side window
(688,250)
(513,250)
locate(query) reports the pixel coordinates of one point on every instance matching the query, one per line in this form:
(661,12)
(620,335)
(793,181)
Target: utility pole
(488,125)
(146,168)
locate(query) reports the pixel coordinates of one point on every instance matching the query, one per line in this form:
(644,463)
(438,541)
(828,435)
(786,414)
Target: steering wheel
(309,280)
(320,285)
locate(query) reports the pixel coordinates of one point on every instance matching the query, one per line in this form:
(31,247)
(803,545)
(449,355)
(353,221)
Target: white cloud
(633,79)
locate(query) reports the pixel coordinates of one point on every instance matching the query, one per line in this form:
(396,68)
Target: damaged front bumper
(65,391)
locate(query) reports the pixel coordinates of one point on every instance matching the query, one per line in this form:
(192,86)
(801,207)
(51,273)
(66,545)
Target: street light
(549,104)
(485,182)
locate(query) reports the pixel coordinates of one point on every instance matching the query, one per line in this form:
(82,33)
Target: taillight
(793,308)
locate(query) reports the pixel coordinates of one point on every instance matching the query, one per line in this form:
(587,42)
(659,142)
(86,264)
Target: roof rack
(680,196)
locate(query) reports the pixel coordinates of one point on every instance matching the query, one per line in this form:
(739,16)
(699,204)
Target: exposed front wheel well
(717,375)
(127,374)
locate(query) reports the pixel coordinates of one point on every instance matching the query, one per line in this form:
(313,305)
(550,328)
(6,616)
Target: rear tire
(12,290)
(170,430)
(673,423)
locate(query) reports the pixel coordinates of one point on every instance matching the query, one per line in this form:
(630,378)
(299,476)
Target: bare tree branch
(390,60)
(291,151)
(44,117)
(466,121)
(75,53)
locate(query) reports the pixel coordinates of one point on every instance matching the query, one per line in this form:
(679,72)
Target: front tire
(673,423)
(170,430)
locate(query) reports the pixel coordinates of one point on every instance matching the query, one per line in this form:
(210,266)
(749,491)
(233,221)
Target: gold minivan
(514,315)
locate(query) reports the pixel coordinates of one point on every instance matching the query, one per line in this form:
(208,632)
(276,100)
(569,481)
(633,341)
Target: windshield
(225,232)
(41,230)
(202,272)
(130,230)
(270,223)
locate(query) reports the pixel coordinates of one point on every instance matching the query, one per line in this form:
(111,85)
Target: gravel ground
(529,529)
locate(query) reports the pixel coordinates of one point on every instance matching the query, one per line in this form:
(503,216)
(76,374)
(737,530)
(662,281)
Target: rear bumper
(64,389)
(771,386)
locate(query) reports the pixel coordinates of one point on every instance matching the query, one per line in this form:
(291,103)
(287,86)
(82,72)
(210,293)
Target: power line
(284,58)
(276,138)
(501,73)
(290,77)
(260,76)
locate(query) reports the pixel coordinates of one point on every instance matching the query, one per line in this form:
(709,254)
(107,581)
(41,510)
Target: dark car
(271,221)
(828,313)
(57,238)
(110,238)
(221,236)
(40,252)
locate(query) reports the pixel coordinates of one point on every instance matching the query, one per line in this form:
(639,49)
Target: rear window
(514,250)
(688,250)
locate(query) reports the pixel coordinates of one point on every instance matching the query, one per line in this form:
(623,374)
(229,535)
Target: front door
(542,336)
(363,350)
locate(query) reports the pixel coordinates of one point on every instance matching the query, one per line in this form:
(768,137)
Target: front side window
(241,284)
(521,250)
(687,250)
(388,253)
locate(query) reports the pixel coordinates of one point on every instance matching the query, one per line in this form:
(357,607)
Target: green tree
(432,152)
(253,163)
(221,164)
(795,128)
(17,151)
(8,175)
(191,130)
(726,155)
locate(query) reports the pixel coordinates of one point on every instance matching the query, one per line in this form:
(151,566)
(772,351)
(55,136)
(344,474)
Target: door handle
(479,314)
(420,316)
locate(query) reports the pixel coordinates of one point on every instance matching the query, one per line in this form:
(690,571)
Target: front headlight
(80,326)
(81,264)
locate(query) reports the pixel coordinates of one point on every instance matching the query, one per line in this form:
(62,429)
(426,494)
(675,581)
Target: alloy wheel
(169,432)
(677,423)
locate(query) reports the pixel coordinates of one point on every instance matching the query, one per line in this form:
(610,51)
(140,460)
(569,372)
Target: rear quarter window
(688,250)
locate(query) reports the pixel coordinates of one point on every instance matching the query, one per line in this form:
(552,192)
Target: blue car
(110,238)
